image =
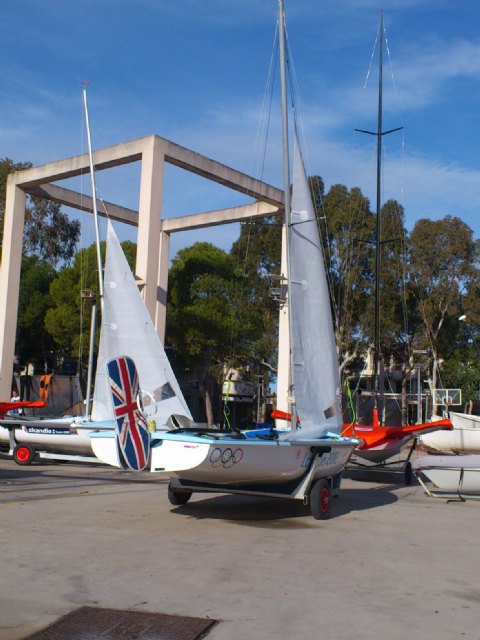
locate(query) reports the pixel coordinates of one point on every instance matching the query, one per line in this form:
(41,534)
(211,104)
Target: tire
(408,474)
(178,497)
(24,454)
(321,500)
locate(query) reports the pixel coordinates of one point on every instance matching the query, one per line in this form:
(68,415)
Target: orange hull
(5,407)
(377,436)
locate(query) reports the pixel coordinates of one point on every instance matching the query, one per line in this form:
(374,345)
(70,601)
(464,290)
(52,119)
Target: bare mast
(378,229)
(93,323)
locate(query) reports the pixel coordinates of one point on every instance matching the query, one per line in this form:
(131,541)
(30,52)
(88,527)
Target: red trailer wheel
(24,454)
(321,499)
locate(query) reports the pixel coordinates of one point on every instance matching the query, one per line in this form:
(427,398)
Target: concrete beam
(132,151)
(84,203)
(221,216)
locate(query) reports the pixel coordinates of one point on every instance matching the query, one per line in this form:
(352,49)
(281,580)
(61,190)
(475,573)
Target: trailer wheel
(408,474)
(321,499)
(178,497)
(24,454)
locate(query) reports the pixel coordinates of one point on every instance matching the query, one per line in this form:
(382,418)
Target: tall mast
(378,230)
(94,200)
(286,188)
(99,260)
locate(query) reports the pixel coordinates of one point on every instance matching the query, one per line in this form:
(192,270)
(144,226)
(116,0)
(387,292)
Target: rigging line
(399,109)
(263,127)
(372,58)
(257,171)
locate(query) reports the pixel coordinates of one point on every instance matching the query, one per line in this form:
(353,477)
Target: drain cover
(91,623)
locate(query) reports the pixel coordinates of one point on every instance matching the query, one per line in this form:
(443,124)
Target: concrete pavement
(391,563)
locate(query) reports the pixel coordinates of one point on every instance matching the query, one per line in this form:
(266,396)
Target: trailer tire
(177,497)
(24,454)
(321,500)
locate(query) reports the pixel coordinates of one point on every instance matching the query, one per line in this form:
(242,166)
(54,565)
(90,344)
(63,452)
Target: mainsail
(127,330)
(315,373)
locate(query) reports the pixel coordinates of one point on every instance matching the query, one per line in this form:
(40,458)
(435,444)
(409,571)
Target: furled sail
(315,373)
(127,330)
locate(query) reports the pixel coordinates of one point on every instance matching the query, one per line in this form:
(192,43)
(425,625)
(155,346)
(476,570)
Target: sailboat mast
(286,185)
(99,259)
(94,200)
(378,232)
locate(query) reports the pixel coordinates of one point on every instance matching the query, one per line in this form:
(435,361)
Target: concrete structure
(153,236)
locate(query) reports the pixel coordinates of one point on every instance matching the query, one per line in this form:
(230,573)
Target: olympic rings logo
(226,458)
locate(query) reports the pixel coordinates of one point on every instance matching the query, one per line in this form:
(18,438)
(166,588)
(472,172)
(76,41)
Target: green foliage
(347,237)
(33,342)
(208,320)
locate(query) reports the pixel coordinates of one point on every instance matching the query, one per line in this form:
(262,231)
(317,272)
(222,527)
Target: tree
(347,233)
(33,343)
(48,233)
(443,260)
(209,321)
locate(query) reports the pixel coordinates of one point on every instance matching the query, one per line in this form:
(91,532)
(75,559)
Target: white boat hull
(228,462)
(463,438)
(55,436)
(451,474)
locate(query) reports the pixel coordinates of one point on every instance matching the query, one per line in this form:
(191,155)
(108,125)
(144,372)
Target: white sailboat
(126,328)
(305,463)
(451,477)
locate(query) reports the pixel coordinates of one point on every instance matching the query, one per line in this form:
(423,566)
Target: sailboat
(306,462)
(381,442)
(126,328)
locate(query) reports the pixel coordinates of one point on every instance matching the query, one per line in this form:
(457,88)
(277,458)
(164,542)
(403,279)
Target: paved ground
(391,564)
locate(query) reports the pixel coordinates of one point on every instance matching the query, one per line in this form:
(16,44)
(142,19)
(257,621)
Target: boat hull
(452,474)
(228,462)
(463,438)
(60,436)
(381,443)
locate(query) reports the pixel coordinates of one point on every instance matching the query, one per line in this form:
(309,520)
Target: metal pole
(419,396)
(378,238)
(93,324)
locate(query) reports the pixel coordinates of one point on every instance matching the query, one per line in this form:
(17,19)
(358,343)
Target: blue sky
(194,71)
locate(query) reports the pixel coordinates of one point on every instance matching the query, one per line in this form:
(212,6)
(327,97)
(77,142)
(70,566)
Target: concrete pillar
(162,285)
(149,222)
(283,374)
(10,282)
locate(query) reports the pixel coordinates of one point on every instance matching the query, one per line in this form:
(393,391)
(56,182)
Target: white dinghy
(452,477)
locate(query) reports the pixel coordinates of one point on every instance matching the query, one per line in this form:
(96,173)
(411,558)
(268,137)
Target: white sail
(127,330)
(315,372)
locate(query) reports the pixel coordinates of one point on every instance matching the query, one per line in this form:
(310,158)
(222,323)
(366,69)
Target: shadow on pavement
(278,513)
